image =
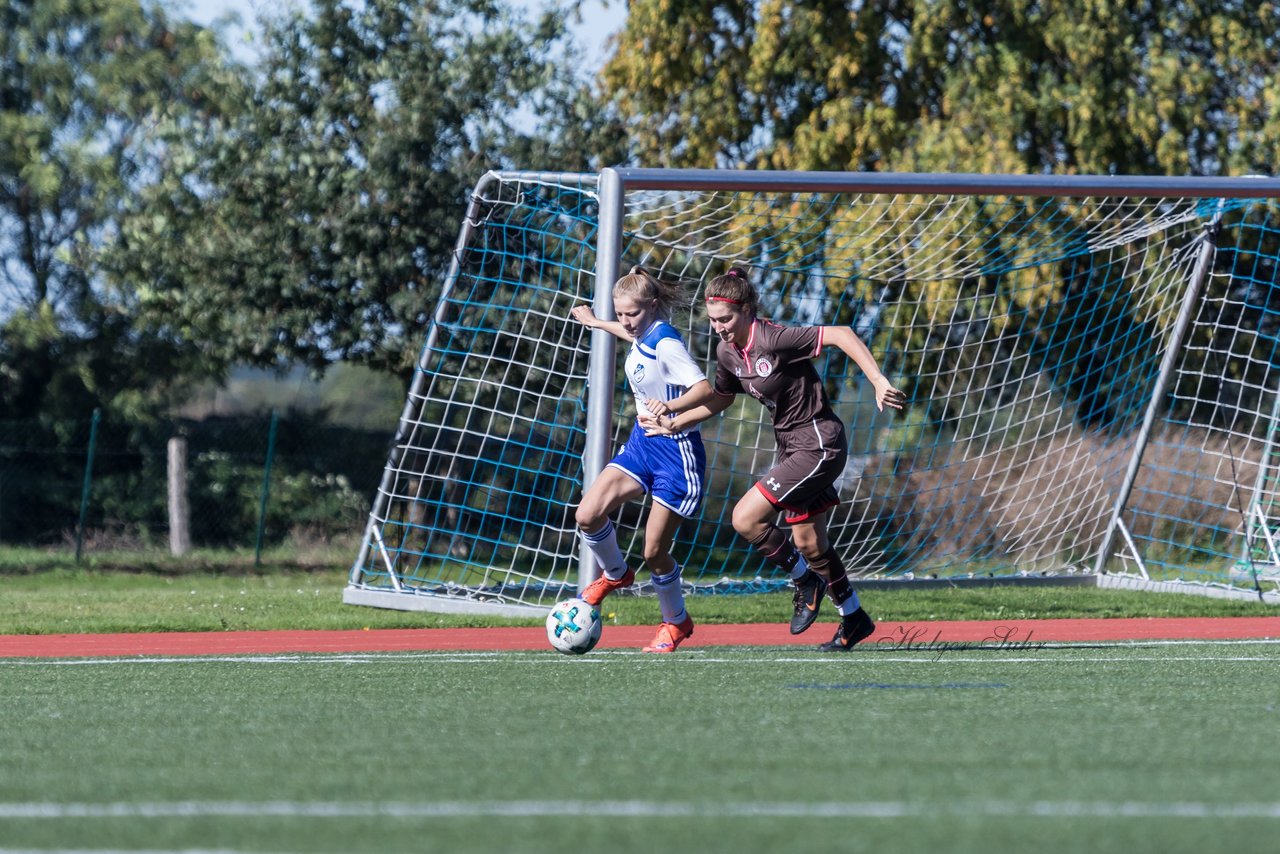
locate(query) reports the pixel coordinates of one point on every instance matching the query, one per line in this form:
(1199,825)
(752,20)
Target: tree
(1152,88)
(317,226)
(1017,86)
(1087,86)
(81,82)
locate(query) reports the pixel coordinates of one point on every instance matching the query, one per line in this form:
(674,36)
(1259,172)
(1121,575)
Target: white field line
(641,809)
(527,658)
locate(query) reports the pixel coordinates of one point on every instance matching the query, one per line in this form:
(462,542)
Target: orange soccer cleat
(604,585)
(669,636)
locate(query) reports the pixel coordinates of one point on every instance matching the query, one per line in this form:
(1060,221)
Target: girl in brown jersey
(773,363)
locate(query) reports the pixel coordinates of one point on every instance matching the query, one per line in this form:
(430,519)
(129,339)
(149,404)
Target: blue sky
(602,18)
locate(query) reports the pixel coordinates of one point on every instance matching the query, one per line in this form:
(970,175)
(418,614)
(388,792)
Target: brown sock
(830,567)
(777,549)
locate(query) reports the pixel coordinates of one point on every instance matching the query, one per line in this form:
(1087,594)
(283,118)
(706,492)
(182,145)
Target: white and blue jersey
(671,468)
(659,367)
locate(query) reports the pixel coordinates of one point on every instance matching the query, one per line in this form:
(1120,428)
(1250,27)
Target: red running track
(1007,634)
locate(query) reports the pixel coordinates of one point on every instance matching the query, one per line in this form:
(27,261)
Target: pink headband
(726,299)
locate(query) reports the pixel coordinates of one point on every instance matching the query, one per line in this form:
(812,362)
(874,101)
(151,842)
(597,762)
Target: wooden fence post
(179,509)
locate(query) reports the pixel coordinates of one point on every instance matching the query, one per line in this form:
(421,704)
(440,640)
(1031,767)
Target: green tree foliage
(1014,86)
(1086,86)
(1098,86)
(82,82)
(317,225)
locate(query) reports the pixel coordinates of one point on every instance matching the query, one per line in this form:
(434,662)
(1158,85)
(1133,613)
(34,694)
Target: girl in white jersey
(665,380)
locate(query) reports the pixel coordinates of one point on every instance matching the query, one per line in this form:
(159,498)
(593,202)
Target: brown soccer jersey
(776,369)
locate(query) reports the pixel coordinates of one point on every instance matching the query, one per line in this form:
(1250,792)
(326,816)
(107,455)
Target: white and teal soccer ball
(574,627)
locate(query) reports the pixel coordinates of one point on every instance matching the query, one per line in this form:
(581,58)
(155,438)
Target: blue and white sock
(849,605)
(604,545)
(670,596)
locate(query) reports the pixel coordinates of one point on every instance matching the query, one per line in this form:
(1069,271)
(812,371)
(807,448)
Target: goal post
(1088,362)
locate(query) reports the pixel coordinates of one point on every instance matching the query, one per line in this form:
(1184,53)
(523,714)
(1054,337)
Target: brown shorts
(802,480)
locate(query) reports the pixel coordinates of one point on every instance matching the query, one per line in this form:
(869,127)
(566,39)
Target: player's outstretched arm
(848,341)
(701,393)
(584,315)
(669,425)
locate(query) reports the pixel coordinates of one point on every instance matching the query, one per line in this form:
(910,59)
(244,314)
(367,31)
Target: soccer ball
(574,627)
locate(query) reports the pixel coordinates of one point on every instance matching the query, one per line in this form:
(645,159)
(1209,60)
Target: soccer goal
(1090,363)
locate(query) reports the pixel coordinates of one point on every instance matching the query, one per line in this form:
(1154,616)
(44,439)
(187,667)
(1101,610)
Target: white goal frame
(611,187)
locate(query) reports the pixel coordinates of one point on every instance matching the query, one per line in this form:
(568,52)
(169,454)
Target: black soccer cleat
(853,628)
(810,589)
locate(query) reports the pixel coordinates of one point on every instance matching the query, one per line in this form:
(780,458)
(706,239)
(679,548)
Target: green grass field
(66,599)
(1157,747)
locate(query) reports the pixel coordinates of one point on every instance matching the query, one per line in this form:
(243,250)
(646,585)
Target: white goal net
(1088,364)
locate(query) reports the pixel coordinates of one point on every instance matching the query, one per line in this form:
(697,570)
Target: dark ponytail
(735,288)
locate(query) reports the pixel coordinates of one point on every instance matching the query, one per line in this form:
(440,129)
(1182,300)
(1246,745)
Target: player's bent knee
(657,556)
(747,524)
(587,519)
(810,548)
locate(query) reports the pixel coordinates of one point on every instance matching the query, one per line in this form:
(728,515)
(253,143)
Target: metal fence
(97,484)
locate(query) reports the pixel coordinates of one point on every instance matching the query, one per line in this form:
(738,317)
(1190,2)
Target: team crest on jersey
(763,368)
(638,374)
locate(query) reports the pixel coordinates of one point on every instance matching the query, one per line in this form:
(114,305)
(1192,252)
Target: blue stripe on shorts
(671,468)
